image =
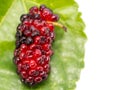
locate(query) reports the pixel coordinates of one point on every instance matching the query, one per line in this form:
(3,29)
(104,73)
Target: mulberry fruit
(34,38)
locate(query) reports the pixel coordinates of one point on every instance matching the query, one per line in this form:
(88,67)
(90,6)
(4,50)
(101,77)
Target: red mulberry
(34,37)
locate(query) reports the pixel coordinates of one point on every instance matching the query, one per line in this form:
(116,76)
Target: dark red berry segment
(34,37)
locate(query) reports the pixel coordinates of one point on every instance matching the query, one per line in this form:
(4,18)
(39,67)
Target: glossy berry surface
(34,39)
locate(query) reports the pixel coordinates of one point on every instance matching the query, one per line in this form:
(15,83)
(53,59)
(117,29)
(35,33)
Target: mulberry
(34,38)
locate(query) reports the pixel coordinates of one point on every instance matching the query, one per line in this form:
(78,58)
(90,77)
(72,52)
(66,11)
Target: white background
(102,56)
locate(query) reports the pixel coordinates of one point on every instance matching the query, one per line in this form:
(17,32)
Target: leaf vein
(7,12)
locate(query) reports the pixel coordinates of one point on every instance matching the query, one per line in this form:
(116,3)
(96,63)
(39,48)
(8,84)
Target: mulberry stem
(59,25)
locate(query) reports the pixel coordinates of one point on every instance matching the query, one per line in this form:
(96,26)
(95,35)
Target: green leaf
(67,61)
